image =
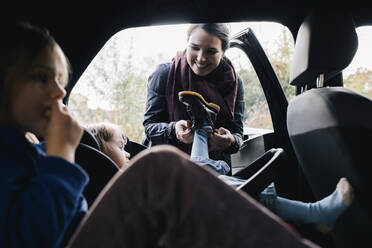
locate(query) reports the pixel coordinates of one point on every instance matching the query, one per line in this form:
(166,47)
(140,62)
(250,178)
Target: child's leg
(164,200)
(232,181)
(324,212)
(200,155)
(200,145)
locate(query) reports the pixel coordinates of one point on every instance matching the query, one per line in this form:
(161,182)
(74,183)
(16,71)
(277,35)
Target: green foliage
(117,87)
(257,114)
(360,82)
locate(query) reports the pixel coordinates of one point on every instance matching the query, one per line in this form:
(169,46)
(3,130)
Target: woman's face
(114,148)
(204,52)
(34,86)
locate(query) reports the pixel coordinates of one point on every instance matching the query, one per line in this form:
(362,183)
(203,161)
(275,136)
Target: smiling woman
(202,68)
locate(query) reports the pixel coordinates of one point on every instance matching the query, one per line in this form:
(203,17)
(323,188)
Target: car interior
(319,136)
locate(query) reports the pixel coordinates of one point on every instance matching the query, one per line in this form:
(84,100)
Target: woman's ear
(222,54)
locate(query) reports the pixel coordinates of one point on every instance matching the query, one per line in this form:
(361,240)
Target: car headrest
(326,44)
(89,139)
(134,148)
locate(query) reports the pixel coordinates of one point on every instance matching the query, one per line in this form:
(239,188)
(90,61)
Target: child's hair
(20,44)
(103,132)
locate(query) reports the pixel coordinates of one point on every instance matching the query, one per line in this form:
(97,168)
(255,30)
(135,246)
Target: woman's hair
(221,30)
(103,132)
(20,43)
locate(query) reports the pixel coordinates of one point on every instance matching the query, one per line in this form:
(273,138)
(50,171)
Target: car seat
(331,127)
(89,139)
(134,148)
(99,167)
(261,172)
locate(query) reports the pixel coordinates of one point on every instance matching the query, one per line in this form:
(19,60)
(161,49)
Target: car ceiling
(83,29)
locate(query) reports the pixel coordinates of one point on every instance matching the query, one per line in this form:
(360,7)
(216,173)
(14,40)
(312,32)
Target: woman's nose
(201,56)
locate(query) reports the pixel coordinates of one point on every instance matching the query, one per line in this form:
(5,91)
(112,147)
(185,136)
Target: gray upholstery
(331,134)
(326,107)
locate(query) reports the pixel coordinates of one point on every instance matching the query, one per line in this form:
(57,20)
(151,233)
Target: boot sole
(200,108)
(212,106)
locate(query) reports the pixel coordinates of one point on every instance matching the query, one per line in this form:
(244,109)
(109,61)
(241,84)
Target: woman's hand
(220,139)
(183,131)
(63,133)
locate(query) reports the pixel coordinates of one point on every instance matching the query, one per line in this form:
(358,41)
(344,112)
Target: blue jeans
(200,155)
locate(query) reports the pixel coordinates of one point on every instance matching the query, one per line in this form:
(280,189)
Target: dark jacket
(159,130)
(41,196)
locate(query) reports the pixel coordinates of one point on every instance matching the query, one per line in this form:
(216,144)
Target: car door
(258,140)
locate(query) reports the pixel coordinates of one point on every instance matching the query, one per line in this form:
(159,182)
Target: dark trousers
(165,200)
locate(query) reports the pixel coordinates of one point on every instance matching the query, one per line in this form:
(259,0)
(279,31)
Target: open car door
(289,182)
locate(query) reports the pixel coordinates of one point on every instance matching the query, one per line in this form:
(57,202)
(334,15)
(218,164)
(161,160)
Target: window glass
(113,88)
(358,75)
(257,113)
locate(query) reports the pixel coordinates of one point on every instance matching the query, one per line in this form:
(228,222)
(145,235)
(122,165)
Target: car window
(113,87)
(257,113)
(358,75)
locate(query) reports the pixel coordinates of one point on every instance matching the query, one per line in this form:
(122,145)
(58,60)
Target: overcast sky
(167,39)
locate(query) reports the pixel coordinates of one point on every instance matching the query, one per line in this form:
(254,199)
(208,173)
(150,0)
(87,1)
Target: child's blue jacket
(41,196)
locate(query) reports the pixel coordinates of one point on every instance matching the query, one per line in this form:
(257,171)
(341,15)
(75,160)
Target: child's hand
(63,133)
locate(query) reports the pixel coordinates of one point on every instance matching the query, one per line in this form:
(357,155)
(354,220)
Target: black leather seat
(331,127)
(99,167)
(89,139)
(134,148)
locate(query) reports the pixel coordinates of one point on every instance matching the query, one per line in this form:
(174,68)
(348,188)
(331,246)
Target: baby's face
(115,149)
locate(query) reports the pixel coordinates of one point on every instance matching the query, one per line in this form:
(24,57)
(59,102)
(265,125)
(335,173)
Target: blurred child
(41,187)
